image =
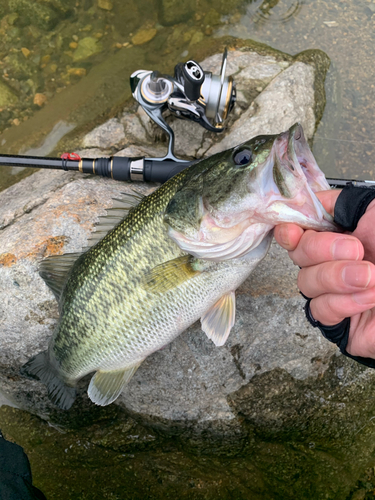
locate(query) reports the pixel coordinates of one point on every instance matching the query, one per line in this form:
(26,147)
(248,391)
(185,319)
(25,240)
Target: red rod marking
(70,156)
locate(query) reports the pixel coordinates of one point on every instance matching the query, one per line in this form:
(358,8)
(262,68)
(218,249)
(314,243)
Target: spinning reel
(192,94)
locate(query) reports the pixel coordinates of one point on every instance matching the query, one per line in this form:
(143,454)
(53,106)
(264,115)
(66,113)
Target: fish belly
(157,319)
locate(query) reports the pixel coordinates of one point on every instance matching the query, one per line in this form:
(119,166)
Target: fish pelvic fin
(170,274)
(40,368)
(106,386)
(217,322)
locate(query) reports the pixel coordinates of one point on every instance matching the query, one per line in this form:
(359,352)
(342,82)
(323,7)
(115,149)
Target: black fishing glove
(351,204)
(15,474)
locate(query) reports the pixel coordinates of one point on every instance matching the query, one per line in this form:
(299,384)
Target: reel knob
(194,78)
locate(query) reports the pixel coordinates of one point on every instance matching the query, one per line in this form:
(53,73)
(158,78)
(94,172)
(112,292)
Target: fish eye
(242,157)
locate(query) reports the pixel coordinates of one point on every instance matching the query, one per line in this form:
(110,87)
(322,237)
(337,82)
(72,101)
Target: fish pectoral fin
(105,387)
(218,321)
(170,274)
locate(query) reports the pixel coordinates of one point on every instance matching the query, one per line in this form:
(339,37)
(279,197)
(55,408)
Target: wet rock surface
(277,399)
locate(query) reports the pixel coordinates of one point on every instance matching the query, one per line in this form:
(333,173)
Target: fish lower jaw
(280,213)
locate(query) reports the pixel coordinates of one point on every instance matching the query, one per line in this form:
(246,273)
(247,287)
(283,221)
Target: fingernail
(357,275)
(366,298)
(284,236)
(345,248)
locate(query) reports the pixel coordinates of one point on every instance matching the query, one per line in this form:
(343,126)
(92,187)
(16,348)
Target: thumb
(328,199)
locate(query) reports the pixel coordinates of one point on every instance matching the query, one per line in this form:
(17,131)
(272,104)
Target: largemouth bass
(178,256)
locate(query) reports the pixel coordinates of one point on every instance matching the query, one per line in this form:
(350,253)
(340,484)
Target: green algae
(7,97)
(87,47)
(35,13)
(116,458)
(321,63)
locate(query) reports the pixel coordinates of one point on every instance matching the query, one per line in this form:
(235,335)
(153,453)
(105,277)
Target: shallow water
(345,30)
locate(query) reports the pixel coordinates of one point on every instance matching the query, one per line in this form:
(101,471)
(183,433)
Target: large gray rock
(110,134)
(287,99)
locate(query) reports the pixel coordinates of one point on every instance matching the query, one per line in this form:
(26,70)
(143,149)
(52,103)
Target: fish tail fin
(40,368)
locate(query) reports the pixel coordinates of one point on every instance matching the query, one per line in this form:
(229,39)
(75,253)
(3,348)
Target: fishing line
(343,140)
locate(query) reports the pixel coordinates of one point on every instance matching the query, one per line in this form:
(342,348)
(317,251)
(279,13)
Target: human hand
(338,273)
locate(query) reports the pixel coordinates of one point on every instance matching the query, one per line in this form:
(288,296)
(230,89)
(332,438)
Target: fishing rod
(192,94)
(123,168)
(341,183)
(119,168)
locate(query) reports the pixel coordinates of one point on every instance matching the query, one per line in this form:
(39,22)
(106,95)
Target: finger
(341,276)
(361,337)
(315,248)
(330,309)
(288,235)
(328,199)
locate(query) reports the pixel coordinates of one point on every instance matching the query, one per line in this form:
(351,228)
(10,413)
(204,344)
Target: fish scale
(115,308)
(177,256)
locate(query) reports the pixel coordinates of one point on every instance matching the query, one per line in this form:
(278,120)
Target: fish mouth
(298,177)
(300,152)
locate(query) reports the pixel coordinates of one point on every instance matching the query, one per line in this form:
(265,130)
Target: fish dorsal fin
(106,386)
(55,271)
(56,268)
(170,274)
(217,322)
(119,210)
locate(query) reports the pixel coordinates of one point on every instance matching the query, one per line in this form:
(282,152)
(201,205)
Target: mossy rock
(321,62)
(7,97)
(18,67)
(30,12)
(87,47)
(174,11)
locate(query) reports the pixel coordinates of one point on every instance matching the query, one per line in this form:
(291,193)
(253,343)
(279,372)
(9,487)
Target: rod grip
(161,171)
(115,167)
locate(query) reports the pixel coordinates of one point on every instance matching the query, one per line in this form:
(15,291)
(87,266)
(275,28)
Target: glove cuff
(338,334)
(351,204)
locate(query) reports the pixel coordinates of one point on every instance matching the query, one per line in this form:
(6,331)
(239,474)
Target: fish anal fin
(217,322)
(170,274)
(106,386)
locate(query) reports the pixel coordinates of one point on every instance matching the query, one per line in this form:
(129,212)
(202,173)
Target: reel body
(192,94)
